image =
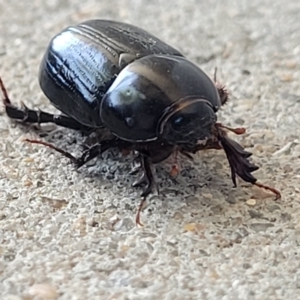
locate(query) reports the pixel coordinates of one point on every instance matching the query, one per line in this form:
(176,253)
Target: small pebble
(43,291)
(286,77)
(28,160)
(261,227)
(189,227)
(251,202)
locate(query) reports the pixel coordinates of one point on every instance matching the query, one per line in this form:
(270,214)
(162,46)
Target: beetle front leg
(240,165)
(147,178)
(26,115)
(87,155)
(100,148)
(237,157)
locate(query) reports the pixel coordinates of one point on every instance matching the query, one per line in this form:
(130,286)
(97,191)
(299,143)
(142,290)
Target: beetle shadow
(110,165)
(206,172)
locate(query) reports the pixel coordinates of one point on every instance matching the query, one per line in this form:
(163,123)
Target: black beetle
(83,61)
(112,75)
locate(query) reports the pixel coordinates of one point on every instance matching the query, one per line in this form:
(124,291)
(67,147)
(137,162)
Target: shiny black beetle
(106,74)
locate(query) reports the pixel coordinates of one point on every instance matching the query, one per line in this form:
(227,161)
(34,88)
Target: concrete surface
(71,235)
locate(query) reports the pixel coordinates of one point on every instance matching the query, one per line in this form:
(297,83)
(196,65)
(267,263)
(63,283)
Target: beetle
(81,63)
(116,76)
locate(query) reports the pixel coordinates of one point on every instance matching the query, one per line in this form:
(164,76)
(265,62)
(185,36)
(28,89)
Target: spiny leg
(175,167)
(240,165)
(236,155)
(26,115)
(148,179)
(87,155)
(61,151)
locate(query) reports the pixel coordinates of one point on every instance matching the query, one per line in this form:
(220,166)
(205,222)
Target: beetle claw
(148,179)
(138,214)
(276,192)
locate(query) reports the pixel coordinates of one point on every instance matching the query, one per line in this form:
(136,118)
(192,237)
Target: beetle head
(187,121)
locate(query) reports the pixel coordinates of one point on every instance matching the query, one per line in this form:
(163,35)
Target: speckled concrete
(72,235)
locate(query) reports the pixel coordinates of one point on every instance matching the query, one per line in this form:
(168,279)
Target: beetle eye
(178,120)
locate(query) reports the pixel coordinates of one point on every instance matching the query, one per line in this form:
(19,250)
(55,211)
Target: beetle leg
(63,152)
(98,149)
(140,181)
(138,214)
(239,163)
(186,154)
(26,115)
(237,157)
(87,155)
(134,171)
(147,178)
(175,167)
(238,160)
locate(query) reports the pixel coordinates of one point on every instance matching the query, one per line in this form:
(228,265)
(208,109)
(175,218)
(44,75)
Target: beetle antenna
(238,130)
(223,93)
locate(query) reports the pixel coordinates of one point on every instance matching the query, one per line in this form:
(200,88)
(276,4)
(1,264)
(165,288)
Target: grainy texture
(71,235)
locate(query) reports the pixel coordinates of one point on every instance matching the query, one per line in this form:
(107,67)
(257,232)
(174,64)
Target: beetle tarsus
(148,179)
(271,189)
(138,214)
(63,152)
